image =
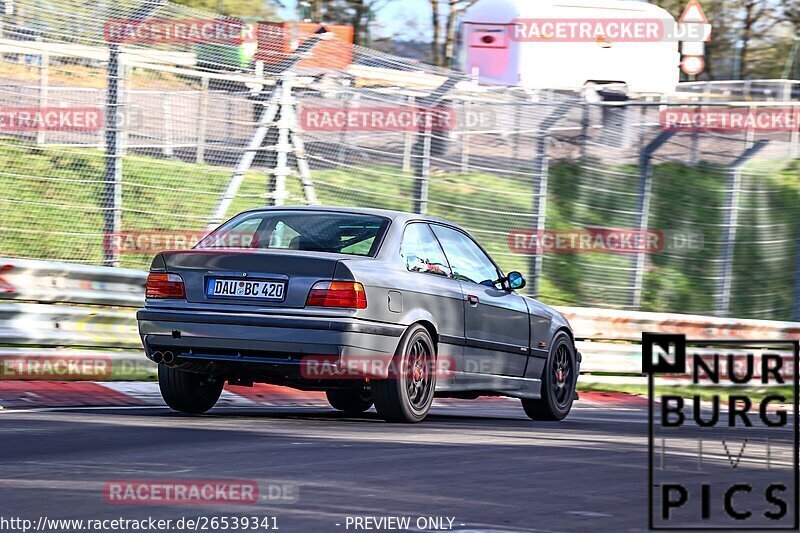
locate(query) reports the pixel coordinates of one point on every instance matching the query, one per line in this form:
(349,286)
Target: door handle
(473,300)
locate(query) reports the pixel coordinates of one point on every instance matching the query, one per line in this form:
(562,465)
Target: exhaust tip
(168,358)
(157,357)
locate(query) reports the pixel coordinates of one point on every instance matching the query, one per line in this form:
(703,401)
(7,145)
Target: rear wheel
(558,383)
(350,400)
(408,393)
(188,392)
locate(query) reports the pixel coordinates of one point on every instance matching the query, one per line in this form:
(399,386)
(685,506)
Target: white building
(532,43)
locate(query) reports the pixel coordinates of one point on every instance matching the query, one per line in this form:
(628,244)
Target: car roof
(399,216)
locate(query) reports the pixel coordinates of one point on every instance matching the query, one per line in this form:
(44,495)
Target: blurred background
(193,130)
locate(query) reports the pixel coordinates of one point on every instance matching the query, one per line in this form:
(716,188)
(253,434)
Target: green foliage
(52,211)
(245,9)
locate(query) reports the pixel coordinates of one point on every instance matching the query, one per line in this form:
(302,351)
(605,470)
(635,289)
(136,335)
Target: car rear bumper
(275,340)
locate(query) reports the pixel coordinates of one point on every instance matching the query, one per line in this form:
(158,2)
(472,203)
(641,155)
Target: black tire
(188,392)
(559,378)
(349,400)
(408,393)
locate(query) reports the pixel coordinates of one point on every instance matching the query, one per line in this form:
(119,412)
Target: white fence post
(203,123)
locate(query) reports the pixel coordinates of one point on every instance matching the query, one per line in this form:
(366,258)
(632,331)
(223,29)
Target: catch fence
(190,133)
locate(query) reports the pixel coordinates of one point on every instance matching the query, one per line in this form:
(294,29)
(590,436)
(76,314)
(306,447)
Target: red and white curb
(21,394)
(16,394)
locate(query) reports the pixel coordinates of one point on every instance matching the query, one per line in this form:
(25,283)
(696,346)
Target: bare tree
(790,12)
(360,20)
(444,49)
(357,13)
(753,12)
(316,10)
(734,21)
(456,7)
(437,30)
(363,15)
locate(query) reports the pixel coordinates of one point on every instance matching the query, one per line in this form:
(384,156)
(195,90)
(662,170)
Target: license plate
(237,288)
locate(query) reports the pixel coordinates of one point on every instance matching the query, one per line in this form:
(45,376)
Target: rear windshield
(310,231)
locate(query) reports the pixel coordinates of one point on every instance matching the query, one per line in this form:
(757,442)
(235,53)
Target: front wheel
(188,392)
(559,379)
(408,393)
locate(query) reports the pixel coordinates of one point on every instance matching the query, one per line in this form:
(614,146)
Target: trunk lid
(298,270)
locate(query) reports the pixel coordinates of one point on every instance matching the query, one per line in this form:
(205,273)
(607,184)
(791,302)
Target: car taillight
(337,294)
(162,285)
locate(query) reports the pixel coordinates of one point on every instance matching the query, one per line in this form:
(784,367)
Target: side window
(282,236)
(468,261)
(242,235)
(421,252)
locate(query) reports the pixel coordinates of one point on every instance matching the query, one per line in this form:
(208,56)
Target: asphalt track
(485,465)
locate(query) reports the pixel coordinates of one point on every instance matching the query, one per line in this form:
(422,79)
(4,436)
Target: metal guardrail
(46,306)
(54,305)
(618,358)
(610,324)
(51,282)
(66,325)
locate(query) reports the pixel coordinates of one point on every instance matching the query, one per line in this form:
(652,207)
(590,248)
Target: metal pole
(643,211)
(341,151)
(540,175)
(422,148)
(465,106)
(409,140)
(298,145)
(423,167)
(517,127)
(737,60)
(642,128)
(795,136)
(203,125)
(166,121)
(125,112)
(788,66)
(278,193)
(44,76)
(751,134)
(584,128)
(111,203)
(729,227)
(796,299)
(540,172)
(729,240)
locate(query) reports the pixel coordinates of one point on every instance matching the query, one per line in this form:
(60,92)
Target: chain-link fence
(131,126)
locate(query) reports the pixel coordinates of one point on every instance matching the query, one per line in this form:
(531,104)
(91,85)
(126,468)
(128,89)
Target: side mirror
(515,280)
